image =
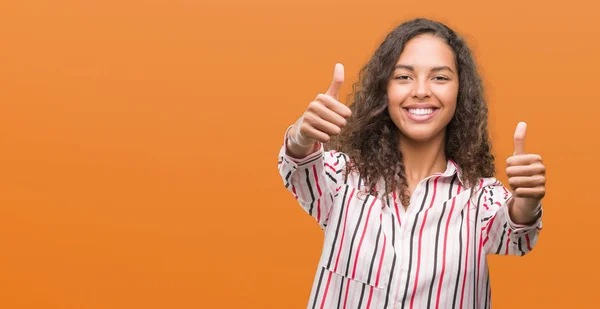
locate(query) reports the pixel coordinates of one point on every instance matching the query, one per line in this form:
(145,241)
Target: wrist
(524,212)
(299,147)
(295,138)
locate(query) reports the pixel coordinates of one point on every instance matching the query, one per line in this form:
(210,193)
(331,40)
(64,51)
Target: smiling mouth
(421,111)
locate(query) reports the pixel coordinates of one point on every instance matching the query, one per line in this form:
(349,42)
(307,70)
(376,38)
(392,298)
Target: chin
(420,135)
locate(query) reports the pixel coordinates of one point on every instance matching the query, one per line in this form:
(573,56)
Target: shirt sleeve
(500,235)
(313,180)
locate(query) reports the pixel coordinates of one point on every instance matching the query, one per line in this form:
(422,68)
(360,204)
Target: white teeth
(420,111)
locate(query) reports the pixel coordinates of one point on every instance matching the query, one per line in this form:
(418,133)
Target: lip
(421,106)
(420,118)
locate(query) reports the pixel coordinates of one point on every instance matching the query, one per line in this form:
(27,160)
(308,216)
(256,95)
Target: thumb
(337,81)
(520,133)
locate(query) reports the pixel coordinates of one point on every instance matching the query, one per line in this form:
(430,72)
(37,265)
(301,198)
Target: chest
(368,236)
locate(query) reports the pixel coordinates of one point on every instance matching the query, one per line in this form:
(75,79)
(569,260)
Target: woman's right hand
(324,117)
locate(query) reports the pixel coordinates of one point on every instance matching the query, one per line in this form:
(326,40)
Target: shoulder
(492,187)
(336,157)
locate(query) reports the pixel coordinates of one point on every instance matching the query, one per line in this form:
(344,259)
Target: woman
(407,198)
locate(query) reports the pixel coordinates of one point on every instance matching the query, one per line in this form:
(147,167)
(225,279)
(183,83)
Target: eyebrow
(434,69)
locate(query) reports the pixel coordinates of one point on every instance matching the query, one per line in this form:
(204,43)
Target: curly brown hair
(371,139)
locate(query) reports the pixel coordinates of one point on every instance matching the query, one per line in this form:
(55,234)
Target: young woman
(407,199)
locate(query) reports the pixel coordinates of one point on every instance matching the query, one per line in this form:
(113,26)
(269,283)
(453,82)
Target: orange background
(139,141)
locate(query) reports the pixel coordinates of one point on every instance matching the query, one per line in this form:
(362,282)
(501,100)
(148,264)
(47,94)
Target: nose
(421,89)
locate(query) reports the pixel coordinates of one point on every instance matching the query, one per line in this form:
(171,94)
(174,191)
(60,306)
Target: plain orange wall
(139,141)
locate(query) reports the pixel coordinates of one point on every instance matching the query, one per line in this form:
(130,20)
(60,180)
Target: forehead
(427,50)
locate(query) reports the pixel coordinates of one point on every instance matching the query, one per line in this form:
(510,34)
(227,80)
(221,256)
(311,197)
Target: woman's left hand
(526,178)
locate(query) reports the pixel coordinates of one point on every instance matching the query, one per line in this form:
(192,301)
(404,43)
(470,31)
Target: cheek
(397,94)
(447,96)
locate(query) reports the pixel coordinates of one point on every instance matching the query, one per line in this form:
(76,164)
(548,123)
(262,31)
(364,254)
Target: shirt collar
(453,169)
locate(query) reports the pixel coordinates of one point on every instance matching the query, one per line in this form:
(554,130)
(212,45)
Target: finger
(309,131)
(337,81)
(328,115)
(326,127)
(519,137)
(322,125)
(526,170)
(334,105)
(536,193)
(526,181)
(525,159)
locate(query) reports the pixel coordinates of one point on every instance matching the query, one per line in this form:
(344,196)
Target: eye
(402,77)
(440,78)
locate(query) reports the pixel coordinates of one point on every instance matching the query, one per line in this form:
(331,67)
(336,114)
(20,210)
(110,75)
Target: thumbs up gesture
(526,178)
(324,117)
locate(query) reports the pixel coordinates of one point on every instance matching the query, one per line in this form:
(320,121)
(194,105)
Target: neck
(422,159)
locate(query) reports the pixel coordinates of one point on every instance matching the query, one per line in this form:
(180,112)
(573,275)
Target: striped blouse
(377,255)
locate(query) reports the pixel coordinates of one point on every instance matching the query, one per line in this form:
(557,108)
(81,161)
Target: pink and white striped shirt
(377,255)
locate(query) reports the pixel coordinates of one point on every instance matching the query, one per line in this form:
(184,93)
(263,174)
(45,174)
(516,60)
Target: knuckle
(304,128)
(518,192)
(511,172)
(542,180)
(540,193)
(313,106)
(306,119)
(321,97)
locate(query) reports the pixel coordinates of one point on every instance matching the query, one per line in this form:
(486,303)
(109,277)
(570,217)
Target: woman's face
(423,88)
